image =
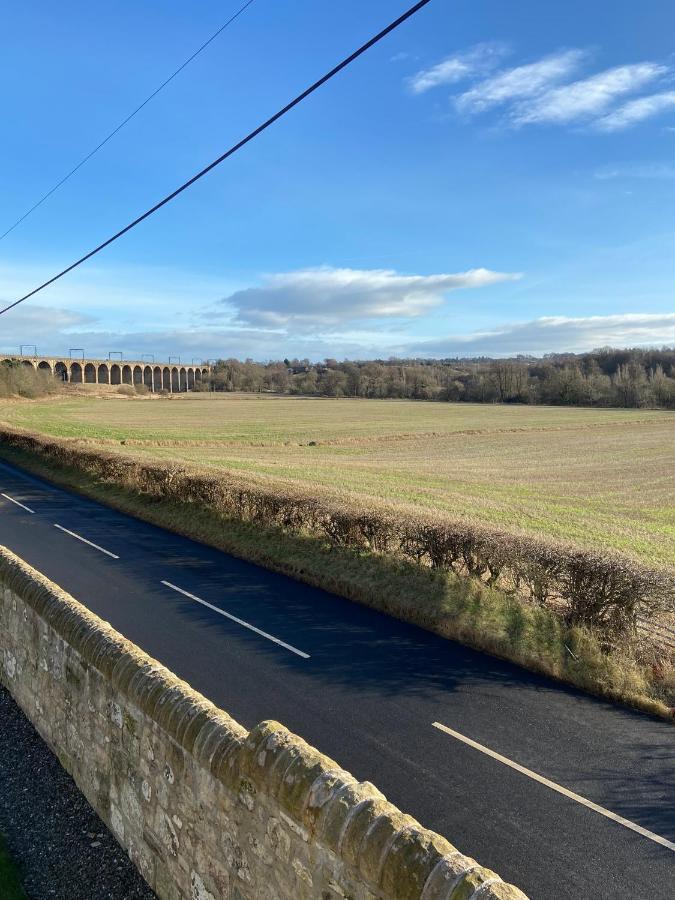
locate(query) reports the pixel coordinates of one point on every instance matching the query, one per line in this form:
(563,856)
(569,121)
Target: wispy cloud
(328,297)
(543,92)
(647,170)
(38,324)
(556,334)
(522,81)
(475,61)
(55,330)
(636,111)
(139,293)
(588,98)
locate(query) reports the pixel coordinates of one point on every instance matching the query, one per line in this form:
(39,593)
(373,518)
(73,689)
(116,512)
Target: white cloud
(477,60)
(556,334)
(327,297)
(542,92)
(636,111)
(56,330)
(38,325)
(522,81)
(589,97)
(311,312)
(647,170)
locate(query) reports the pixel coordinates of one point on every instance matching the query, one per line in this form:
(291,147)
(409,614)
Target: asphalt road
(367,690)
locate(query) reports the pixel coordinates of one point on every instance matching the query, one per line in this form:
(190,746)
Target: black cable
(249,137)
(128,119)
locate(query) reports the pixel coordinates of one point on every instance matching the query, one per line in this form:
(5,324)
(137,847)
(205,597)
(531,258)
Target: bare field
(596,477)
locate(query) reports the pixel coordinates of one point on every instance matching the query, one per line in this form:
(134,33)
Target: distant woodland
(605,377)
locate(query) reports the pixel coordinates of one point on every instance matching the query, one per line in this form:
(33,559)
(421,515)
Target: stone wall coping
(390,852)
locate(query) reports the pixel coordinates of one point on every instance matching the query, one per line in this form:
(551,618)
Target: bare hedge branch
(605,592)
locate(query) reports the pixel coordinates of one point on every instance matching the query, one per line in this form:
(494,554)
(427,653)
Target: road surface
(562,794)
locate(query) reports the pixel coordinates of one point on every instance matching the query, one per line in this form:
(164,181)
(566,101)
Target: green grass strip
(10,884)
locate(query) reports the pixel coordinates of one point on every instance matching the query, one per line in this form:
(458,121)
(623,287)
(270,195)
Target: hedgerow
(604,592)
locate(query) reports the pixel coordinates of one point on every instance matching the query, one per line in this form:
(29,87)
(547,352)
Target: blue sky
(492,179)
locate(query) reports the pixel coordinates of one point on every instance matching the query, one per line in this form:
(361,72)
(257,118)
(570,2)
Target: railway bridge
(174,378)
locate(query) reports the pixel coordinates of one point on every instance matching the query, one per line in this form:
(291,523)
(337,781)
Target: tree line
(606,377)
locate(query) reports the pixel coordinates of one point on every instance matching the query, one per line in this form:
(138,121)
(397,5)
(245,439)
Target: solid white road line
(12,500)
(556,787)
(238,621)
(85,541)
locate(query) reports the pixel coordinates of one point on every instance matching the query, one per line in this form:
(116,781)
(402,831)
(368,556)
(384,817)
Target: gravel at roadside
(62,848)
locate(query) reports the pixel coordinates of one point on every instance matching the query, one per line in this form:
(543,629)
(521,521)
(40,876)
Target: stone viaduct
(156,377)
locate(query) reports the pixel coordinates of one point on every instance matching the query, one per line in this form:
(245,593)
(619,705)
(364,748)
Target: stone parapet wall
(205,809)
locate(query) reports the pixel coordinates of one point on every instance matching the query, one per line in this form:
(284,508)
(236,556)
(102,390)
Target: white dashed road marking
(12,500)
(656,838)
(238,621)
(85,541)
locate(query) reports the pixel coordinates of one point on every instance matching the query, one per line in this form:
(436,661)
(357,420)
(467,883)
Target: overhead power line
(127,120)
(216,162)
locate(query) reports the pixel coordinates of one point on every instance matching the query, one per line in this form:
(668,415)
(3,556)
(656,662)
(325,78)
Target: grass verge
(456,608)
(10,885)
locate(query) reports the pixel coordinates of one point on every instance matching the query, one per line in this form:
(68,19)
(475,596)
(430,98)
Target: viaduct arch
(156,377)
